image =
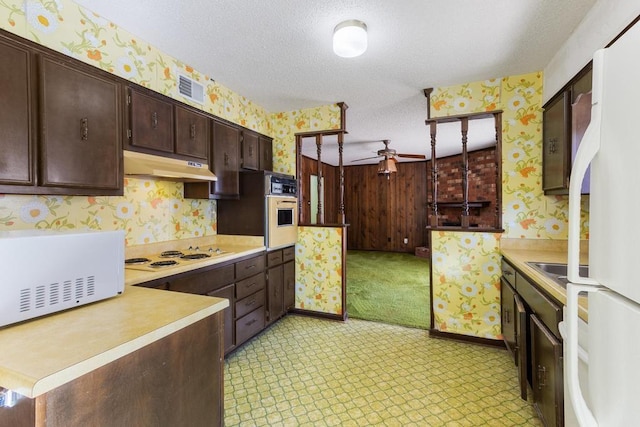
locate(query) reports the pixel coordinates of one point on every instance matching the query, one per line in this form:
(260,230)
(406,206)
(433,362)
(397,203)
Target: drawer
(509,273)
(249,325)
(249,267)
(250,285)
(547,310)
(247,304)
(201,283)
(274,258)
(289,254)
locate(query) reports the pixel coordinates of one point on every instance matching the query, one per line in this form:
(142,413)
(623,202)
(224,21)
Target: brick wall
(481,183)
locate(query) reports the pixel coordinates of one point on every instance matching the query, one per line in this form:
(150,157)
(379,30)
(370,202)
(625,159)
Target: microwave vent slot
(25,300)
(66,293)
(190,89)
(54,293)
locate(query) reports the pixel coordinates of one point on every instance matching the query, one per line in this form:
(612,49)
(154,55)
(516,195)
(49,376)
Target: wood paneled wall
(381,213)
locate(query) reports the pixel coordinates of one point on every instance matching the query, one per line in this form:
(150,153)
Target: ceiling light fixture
(387,167)
(350,38)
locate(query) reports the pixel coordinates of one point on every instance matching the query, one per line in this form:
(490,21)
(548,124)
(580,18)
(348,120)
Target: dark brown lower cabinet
(229,315)
(514,331)
(289,271)
(275,285)
(160,384)
(546,358)
(241,282)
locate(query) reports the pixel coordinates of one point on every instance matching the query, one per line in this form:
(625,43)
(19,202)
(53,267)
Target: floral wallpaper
(319,269)
(466,283)
(149,211)
(286,125)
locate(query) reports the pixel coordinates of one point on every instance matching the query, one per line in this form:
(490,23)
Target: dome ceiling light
(350,38)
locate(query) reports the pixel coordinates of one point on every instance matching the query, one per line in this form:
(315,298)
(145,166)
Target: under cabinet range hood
(141,164)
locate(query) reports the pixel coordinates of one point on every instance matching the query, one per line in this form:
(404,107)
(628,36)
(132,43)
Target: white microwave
(47,271)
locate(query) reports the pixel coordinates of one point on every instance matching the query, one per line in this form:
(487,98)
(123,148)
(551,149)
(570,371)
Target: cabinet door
(507,298)
(275,299)
(229,316)
(250,150)
(556,136)
(80,128)
(266,153)
(289,273)
(16,120)
(192,133)
(151,121)
(226,140)
(546,354)
(521,344)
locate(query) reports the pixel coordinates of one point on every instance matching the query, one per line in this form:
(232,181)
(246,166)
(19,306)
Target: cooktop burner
(171,254)
(195,256)
(136,260)
(163,263)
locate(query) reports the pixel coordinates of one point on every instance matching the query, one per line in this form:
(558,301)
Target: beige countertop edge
(135,277)
(33,382)
(519,258)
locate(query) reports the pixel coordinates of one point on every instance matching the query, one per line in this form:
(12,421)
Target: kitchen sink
(557,272)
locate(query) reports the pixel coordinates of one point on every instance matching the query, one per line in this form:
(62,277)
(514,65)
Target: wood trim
(433,333)
(470,116)
(318,314)
(427,93)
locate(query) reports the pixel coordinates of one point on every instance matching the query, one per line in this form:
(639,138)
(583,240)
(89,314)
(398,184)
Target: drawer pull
(250,303)
(507,273)
(250,322)
(249,267)
(251,284)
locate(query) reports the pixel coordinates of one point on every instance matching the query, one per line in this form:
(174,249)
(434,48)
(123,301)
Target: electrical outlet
(406,241)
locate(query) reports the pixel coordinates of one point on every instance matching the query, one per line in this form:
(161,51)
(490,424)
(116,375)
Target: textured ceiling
(278,53)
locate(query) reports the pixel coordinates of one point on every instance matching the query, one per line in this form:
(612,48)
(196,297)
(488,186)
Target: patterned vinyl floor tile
(311,372)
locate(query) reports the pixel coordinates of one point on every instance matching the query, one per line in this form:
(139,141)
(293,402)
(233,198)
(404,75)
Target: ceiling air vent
(190,89)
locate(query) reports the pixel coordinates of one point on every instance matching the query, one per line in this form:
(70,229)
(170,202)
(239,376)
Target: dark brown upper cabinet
(80,128)
(193,133)
(256,151)
(266,153)
(17,115)
(224,162)
(250,150)
(150,121)
(562,132)
(63,134)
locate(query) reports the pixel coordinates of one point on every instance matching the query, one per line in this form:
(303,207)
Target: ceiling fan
(388,164)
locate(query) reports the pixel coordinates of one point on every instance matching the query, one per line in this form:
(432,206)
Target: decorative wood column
(320,193)
(341,217)
(434,176)
(464,217)
(301,216)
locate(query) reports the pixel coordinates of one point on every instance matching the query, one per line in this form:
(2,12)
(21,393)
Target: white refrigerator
(611,146)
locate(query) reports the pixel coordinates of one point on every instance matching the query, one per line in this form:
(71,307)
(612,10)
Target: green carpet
(388,287)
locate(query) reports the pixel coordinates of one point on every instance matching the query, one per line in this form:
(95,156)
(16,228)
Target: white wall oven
(282,221)
(268,206)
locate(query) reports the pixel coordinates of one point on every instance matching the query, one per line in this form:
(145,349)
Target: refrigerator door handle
(583,413)
(588,149)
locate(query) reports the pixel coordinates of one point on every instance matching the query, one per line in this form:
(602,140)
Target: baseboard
(318,315)
(466,338)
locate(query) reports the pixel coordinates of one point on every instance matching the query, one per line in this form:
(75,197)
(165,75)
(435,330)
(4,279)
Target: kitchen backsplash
(149,211)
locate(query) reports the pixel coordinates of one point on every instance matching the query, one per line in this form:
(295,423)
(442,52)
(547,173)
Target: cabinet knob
(553,145)
(542,377)
(154,120)
(193,132)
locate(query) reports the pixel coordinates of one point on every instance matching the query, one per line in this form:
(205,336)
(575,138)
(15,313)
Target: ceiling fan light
(350,38)
(386,167)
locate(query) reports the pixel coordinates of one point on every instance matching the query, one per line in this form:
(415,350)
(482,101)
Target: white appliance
(611,145)
(46,271)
